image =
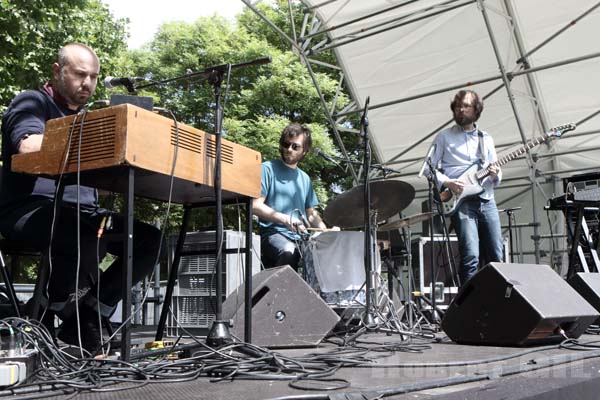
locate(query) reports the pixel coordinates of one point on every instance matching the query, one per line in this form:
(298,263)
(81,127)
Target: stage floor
(386,366)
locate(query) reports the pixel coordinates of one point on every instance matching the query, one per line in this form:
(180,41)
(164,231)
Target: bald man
(27,206)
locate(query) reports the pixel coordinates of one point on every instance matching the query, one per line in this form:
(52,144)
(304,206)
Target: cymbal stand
(368,317)
(409,288)
(411,310)
(370,219)
(371,310)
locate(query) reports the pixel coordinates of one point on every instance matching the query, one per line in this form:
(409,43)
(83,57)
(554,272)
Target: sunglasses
(295,146)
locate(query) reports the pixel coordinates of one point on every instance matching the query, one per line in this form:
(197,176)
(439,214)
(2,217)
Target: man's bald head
(76,74)
(69,50)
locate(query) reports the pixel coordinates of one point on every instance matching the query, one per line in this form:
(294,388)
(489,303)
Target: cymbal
(408,221)
(346,210)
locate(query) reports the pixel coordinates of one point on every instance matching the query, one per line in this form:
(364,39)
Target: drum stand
(410,308)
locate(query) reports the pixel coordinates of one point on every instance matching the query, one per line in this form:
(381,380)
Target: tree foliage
(31,32)
(278,13)
(259,100)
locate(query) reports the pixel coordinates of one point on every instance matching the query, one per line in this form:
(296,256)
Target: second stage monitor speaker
(517,304)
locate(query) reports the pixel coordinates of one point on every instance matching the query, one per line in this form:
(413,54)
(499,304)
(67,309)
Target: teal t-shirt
(285,189)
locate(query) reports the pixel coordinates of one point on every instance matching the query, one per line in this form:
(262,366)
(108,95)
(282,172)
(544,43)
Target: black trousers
(75,246)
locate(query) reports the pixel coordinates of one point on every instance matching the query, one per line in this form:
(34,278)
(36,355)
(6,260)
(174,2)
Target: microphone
(110,81)
(386,172)
(326,156)
(427,158)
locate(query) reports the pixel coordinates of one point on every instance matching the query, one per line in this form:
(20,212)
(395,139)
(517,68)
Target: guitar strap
(480,148)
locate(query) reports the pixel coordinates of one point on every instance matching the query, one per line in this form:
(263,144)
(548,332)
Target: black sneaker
(90,331)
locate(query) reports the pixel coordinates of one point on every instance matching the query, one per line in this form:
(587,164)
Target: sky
(146,16)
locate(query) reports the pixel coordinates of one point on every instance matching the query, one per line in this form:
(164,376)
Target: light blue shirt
(285,190)
(456,150)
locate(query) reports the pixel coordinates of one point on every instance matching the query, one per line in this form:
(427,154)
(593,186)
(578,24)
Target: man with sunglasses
(286,206)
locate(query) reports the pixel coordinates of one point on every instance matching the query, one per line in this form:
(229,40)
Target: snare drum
(334,267)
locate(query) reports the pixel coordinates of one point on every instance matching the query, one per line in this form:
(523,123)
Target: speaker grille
(186,139)
(97,141)
(226,151)
(286,312)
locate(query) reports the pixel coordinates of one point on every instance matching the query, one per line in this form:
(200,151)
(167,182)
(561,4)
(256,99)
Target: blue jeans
(477,226)
(277,250)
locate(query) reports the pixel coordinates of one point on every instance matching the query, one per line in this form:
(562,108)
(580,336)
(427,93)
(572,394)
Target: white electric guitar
(474,174)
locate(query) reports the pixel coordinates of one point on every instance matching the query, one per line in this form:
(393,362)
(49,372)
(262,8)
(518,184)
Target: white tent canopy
(535,62)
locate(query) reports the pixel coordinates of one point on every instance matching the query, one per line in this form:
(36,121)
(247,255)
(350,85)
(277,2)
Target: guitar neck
(482,173)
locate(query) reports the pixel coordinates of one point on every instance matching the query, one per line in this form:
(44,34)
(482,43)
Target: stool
(10,289)
(17,249)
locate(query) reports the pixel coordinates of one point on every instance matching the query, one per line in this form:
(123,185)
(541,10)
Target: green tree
(31,32)
(278,12)
(259,101)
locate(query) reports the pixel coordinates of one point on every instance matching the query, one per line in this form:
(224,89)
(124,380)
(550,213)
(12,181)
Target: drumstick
(335,229)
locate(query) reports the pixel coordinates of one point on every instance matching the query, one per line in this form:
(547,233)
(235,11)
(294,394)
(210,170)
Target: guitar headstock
(558,131)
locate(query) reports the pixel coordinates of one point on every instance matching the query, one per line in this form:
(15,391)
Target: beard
(464,120)
(290,159)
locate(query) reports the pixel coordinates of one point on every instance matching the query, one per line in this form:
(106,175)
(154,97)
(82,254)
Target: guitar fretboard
(482,173)
(558,131)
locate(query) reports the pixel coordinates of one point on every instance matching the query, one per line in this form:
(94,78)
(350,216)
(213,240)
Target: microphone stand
(385,171)
(206,73)
(510,214)
(434,193)
(218,334)
(368,318)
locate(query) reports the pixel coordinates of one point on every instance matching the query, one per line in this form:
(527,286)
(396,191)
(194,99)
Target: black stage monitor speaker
(286,312)
(587,284)
(516,304)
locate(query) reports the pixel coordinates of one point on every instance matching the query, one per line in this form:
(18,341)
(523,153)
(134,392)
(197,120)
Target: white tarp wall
(410,57)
